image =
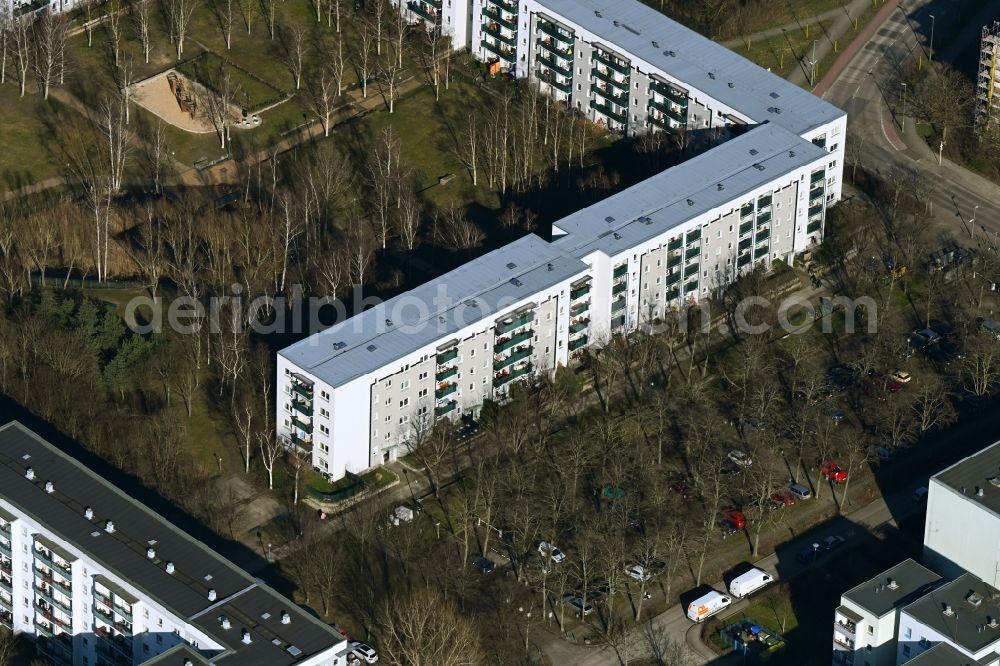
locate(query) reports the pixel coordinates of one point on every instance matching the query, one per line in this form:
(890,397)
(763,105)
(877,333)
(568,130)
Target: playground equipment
(185,100)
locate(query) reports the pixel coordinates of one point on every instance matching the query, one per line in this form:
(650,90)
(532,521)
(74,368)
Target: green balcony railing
(620,270)
(552,79)
(579,326)
(551,62)
(763,218)
(673,94)
(674,261)
(555,31)
(764,201)
(673,278)
(813,227)
(659,121)
(815,210)
(691,253)
(579,309)
(675,244)
(692,236)
(497,15)
(57,569)
(618,305)
(666,109)
(303,391)
(445,357)
(612,63)
(673,293)
(745,243)
(517,322)
(518,355)
(49,596)
(553,47)
(495,32)
(743,260)
(619,288)
(760,252)
(691,269)
(446,391)
(446,374)
(512,375)
(5,550)
(513,341)
(690,286)
(6,585)
(608,92)
(816,177)
(746,211)
(507,5)
(421,10)
(618,322)
(746,228)
(816,193)
(302,407)
(763,235)
(579,292)
(608,78)
(302,425)
(450,406)
(506,54)
(576,343)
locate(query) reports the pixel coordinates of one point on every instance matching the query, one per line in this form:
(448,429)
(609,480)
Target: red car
(783,497)
(684,490)
(833,471)
(735,516)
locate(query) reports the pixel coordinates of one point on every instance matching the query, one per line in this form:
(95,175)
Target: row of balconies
(515,323)
(505,377)
(551,78)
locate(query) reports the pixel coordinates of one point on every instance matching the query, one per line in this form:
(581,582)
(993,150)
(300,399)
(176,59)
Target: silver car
(800,491)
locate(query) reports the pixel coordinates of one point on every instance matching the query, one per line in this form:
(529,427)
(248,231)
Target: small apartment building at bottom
(865,623)
(964,614)
(943,654)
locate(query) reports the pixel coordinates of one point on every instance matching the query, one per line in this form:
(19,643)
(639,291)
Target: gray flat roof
(123,552)
(632,27)
(426,314)
(979,471)
(944,654)
(681,193)
(972,603)
(878,596)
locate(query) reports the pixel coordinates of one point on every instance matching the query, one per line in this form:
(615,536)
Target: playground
(174,98)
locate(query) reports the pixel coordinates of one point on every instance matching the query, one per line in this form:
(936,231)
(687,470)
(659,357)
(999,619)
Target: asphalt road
(869,90)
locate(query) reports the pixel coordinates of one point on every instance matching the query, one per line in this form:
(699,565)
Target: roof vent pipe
(212,595)
(88,513)
(285,617)
(49,487)
(109,527)
(226,624)
(246,637)
(29,474)
(151,553)
(170,567)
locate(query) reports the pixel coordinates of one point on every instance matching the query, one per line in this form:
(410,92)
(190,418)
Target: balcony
(619,288)
(555,31)
(302,425)
(763,235)
(45,610)
(494,31)
(579,292)
(690,286)
(608,78)
(497,16)
(447,356)
(813,227)
(421,10)
(620,270)
(816,193)
(48,594)
(579,309)
(618,305)
(6,584)
(506,54)
(62,570)
(693,236)
(5,550)
(446,374)
(518,355)
(817,177)
(691,269)
(666,90)
(509,7)
(550,63)
(675,244)
(669,112)
(552,47)
(512,375)
(63,580)
(579,326)
(673,278)
(6,618)
(660,121)
(763,218)
(745,244)
(303,391)
(518,322)
(444,392)
(815,210)
(503,344)
(743,260)
(576,343)
(746,228)
(613,63)
(764,202)
(674,261)
(760,252)
(551,78)
(692,253)
(618,322)
(302,408)
(605,91)
(746,211)
(445,408)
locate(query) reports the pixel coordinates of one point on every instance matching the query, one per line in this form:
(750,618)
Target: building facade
(988,83)
(361,392)
(865,625)
(442,17)
(95,578)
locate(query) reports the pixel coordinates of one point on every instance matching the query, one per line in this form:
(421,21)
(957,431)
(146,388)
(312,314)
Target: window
(422,375)
(404,402)
(324,395)
(871,630)
(325,413)
(388,402)
(908,634)
(405,384)
(323,429)
(422,393)
(388,418)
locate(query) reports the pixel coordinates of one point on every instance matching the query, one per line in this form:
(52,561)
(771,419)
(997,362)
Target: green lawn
(26,157)
(253,92)
(782,53)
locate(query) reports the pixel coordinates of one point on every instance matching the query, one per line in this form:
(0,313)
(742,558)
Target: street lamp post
(930,51)
(902,117)
(972,222)
(812,73)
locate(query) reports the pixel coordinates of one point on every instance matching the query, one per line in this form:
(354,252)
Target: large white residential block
(96,578)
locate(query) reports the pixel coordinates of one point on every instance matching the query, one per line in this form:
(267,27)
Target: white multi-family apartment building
(444,17)
(19,8)
(865,625)
(962,526)
(988,83)
(98,579)
(356,394)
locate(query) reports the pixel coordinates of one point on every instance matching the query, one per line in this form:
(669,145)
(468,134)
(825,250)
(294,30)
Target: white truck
(707,606)
(747,583)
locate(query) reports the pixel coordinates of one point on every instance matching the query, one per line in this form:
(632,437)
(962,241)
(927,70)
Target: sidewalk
(847,55)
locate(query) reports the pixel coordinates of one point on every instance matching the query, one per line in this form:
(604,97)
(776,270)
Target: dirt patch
(156,96)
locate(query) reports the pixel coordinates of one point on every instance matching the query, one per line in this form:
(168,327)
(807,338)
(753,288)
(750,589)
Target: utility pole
(812,75)
(930,51)
(902,116)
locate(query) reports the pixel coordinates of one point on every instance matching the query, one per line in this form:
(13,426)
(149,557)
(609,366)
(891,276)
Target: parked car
(684,489)
(924,337)
(726,527)
(942,328)
(882,453)
(920,494)
(831,411)
(841,376)
(735,516)
(546,549)
(808,554)
(707,605)
(739,458)
(900,376)
(800,491)
(578,605)
(364,652)
(833,471)
(747,583)
(833,543)
(638,572)
(783,497)
(484,565)
(989,327)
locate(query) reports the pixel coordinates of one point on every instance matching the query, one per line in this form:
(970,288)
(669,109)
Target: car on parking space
(484,565)
(808,554)
(989,327)
(833,543)
(841,376)
(638,572)
(364,652)
(832,471)
(783,497)
(942,328)
(884,454)
(578,605)
(739,458)
(800,491)
(546,549)
(924,337)
(735,516)
(684,489)
(726,528)
(900,376)
(830,410)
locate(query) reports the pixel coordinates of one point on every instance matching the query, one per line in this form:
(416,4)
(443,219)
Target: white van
(707,606)
(748,583)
